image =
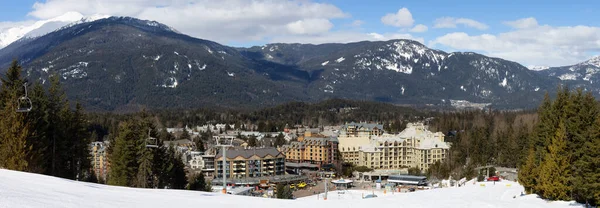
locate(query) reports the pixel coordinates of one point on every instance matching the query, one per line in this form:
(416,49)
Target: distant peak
(594,61)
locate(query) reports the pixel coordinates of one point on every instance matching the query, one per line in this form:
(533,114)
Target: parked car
(493,178)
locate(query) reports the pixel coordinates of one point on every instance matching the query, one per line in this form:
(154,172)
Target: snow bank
(18,189)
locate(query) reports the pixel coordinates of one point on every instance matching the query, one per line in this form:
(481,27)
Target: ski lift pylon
(24,103)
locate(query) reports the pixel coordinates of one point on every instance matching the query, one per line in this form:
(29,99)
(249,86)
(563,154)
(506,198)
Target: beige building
(415,146)
(248,163)
(100,164)
(311,151)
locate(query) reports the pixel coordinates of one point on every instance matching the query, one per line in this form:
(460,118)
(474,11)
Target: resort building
(250,162)
(415,146)
(100,164)
(311,152)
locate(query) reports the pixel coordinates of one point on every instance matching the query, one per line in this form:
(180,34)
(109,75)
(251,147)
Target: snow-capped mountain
(42,27)
(585,74)
(125,63)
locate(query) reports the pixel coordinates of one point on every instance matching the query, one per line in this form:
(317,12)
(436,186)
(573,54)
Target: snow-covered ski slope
(18,189)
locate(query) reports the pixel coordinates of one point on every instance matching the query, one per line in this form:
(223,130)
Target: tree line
(51,139)
(54,139)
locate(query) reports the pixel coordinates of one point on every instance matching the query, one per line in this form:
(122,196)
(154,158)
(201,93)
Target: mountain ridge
(126,63)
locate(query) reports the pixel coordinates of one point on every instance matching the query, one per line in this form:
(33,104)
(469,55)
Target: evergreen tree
(12,81)
(279,141)
(587,185)
(527,177)
(38,137)
(14,148)
(252,142)
(555,170)
(123,159)
(197,182)
(15,151)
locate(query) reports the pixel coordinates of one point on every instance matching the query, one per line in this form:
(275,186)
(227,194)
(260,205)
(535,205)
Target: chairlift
(24,103)
(151,142)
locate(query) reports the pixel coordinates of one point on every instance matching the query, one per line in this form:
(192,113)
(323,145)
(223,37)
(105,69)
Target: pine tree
(587,185)
(123,159)
(14,149)
(12,81)
(527,177)
(555,170)
(38,137)
(198,183)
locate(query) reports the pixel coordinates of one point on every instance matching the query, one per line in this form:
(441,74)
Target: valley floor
(18,189)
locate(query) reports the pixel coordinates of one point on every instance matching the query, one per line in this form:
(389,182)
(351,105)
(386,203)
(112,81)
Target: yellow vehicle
(292,186)
(302,185)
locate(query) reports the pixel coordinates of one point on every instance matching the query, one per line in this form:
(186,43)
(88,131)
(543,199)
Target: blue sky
(547,32)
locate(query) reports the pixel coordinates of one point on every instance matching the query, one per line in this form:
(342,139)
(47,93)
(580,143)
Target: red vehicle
(493,178)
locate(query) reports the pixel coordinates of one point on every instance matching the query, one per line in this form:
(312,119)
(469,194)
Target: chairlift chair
(24,103)
(151,142)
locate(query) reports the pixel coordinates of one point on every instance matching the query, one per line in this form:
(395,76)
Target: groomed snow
(19,189)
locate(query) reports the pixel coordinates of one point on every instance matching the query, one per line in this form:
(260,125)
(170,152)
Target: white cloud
(309,26)
(522,23)
(542,45)
(419,28)
(222,21)
(402,18)
(452,22)
(357,23)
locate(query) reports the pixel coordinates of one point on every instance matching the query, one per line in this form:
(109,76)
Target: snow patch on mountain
(504,82)
(594,61)
(171,82)
(569,76)
(400,56)
(74,71)
(537,68)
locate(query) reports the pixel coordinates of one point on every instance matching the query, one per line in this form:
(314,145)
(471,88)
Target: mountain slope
(585,74)
(124,64)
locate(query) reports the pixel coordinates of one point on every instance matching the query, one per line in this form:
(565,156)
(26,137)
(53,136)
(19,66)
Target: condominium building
(311,152)
(361,129)
(415,146)
(100,164)
(251,162)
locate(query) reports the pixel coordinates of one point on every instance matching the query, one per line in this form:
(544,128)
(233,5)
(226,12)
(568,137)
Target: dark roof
(247,153)
(407,177)
(368,126)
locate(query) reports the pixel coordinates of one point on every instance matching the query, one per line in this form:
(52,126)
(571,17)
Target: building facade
(251,162)
(311,152)
(415,146)
(100,164)
(203,162)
